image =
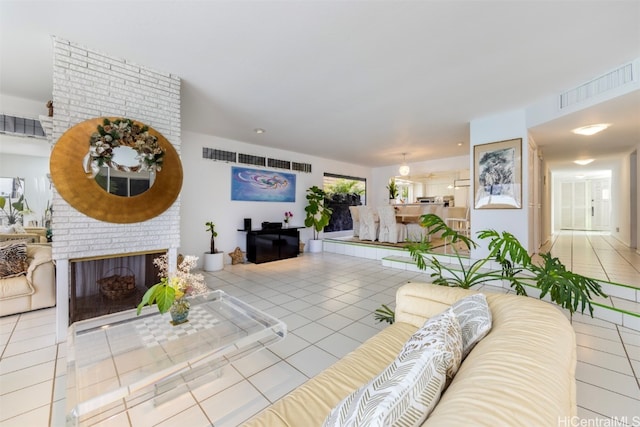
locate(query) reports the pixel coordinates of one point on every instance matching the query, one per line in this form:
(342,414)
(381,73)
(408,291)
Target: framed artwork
(498,175)
(262,185)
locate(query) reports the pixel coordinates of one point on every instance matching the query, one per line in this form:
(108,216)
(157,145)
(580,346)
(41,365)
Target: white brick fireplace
(89,84)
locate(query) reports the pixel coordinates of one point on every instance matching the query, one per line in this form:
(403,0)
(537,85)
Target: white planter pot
(213,262)
(315,245)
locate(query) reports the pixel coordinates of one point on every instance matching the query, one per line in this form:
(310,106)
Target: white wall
(206,193)
(505,126)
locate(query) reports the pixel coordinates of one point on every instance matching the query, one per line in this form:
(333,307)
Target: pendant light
(404,168)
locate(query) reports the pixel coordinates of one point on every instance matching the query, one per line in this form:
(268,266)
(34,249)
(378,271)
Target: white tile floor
(327,301)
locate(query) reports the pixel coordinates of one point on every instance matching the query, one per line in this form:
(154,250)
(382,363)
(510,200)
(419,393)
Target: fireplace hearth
(105,285)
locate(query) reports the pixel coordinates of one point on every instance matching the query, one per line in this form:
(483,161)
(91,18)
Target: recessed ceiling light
(583,162)
(591,129)
(259,130)
(459,144)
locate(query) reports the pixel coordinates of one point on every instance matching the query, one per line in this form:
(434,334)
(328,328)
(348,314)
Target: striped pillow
(474,316)
(402,395)
(442,332)
(13,260)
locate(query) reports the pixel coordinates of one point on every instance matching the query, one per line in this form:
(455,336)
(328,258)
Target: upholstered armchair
(355,218)
(368,223)
(390,230)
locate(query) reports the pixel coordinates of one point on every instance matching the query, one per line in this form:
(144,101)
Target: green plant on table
(173,286)
(567,289)
(393,188)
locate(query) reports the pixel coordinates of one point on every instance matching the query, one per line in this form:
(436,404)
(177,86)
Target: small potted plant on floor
(213,260)
(318,216)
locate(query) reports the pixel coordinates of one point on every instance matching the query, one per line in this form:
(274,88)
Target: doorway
(585,202)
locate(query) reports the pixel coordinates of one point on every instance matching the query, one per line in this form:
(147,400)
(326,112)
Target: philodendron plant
(565,288)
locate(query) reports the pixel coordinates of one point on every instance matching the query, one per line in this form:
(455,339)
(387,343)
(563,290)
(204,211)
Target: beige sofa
(521,373)
(36,289)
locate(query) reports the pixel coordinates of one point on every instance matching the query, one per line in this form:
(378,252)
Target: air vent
(213,154)
(21,126)
(252,160)
(280,164)
(612,80)
(301,167)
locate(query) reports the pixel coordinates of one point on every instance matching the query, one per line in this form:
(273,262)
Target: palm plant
(14,210)
(565,288)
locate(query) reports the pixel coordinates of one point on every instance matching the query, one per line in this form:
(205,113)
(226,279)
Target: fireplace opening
(110,284)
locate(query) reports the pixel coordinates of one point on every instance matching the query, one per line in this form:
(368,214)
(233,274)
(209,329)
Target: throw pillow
(13,260)
(402,395)
(442,332)
(474,316)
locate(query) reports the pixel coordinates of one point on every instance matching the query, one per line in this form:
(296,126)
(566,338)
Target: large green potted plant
(565,288)
(213,260)
(318,216)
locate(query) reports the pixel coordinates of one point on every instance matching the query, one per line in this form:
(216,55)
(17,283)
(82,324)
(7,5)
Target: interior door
(586,204)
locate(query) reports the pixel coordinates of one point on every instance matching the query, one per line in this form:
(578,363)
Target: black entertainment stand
(266,245)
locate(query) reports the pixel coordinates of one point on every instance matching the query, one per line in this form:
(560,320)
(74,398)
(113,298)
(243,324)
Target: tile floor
(327,302)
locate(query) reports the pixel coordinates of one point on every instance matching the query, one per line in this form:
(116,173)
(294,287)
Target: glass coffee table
(121,360)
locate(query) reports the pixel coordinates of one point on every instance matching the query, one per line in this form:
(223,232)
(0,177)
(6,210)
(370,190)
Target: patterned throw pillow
(442,332)
(13,260)
(404,394)
(474,316)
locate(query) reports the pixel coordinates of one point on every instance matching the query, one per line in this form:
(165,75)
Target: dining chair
(390,230)
(355,219)
(368,224)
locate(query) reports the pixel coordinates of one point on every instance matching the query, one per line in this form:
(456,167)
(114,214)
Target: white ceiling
(357,81)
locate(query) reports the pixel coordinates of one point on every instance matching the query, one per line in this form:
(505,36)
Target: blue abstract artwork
(262,185)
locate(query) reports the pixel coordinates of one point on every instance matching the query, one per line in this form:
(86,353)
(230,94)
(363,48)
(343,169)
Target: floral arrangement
(287,216)
(173,287)
(127,133)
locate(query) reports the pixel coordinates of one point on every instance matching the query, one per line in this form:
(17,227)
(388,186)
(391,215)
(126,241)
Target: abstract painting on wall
(262,185)
(498,175)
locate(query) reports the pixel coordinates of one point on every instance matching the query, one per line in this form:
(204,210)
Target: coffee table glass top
(121,360)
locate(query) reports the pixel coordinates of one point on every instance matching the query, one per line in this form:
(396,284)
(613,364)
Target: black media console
(272,244)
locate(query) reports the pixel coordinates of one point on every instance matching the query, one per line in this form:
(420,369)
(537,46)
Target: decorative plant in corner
(565,288)
(211,227)
(318,215)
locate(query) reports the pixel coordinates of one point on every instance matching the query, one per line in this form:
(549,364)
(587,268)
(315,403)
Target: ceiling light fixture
(404,168)
(591,129)
(583,162)
(259,130)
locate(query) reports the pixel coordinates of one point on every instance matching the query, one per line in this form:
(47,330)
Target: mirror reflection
(125,184)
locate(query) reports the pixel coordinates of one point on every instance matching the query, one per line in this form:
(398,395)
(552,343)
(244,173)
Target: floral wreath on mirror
(127,133)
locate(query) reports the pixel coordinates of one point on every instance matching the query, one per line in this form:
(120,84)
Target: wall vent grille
(279,164)
(609,81)
(301,167)
(213,154)
(252,160)
(21,126)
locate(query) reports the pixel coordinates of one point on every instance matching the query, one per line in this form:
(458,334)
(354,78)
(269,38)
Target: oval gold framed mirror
(78,187)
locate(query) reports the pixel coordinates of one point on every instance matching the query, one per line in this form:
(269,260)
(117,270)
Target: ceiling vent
(21,126)
(605,83)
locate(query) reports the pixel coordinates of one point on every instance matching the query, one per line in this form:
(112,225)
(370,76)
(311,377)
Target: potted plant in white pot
(213,260)
(318,216)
